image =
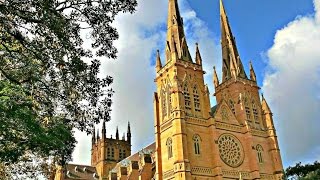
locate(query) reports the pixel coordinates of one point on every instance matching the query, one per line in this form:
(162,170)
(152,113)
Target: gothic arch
(259,149)
(169,147)
(197,143)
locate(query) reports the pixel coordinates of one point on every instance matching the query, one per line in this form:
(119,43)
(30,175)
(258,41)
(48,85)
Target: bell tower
(181,94)
(236,89)
(107,152)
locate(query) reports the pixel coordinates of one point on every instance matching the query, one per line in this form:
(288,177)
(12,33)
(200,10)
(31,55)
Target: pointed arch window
(196,99)
(255,113)
(108,153)
(231,103)
(247,109)
(164,103)
(187,102)
(170,102)
(112,153)
(196,143)
(169,147)
(259,153)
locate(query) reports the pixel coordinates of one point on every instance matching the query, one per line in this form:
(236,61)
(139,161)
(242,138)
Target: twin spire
(177,48)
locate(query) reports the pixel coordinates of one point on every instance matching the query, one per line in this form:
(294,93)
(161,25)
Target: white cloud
(140,35)
(292,87)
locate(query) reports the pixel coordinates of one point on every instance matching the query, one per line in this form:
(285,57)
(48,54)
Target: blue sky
(281,37)
(254,23)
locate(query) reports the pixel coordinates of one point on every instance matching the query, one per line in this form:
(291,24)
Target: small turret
(173,48)
(129,133)
(252,73)
(215,77)
(104,130)
(98,136)
(265,107)
(93,140)
(158,62)
(198,55)
(117,134)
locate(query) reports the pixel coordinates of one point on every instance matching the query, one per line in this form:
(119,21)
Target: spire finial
(103,130)
(98,136)
(265,107)
(198,55)
(158,61)
(117,133)
(252,73)
(93,136)
(129,129)
(129,132)
(215,77)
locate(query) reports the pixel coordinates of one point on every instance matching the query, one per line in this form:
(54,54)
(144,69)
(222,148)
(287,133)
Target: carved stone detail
(231,150)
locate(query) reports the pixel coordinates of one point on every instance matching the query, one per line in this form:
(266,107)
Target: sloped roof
(75,171)
(135,156)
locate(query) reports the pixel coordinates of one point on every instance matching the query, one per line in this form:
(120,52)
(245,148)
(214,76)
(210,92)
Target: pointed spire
(252,73)
(207,89)
(129,129)
(215,77)
(265,107)
(175,31)
(129,133)
(98,136)
(158,61)
(198,55)
(174,53)
(104,130)
(93,140)
(231,62)
(117,133)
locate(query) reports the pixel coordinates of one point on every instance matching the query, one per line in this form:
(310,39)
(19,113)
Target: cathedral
(235,139)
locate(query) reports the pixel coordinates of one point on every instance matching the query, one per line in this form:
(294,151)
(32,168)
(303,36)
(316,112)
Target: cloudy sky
(282,38)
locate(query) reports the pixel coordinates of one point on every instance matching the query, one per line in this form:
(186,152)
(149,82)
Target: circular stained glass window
(231,150)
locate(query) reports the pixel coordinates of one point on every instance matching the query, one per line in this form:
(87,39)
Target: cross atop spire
(231,63)
(176,42)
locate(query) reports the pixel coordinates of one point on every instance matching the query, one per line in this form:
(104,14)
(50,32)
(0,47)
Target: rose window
(230,149)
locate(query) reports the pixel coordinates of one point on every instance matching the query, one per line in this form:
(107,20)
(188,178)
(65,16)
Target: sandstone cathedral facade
(235,139)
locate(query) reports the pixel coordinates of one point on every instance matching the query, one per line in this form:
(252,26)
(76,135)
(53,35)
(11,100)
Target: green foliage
(304,172)
(49,80)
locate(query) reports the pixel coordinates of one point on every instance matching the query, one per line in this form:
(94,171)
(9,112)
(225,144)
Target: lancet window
(255,113)
(108,153)
(122,153)
(259,153)
(112,153)
(196,99)
(231,103)
(169,147)
(196,142)
(187,102)
(164,103)
(247,109)
(170,103)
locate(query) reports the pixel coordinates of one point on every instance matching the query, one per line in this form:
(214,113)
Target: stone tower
(236,138)
(107,152)
(181,94)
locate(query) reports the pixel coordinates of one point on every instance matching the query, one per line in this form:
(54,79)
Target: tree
(49,81)
(304,172)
